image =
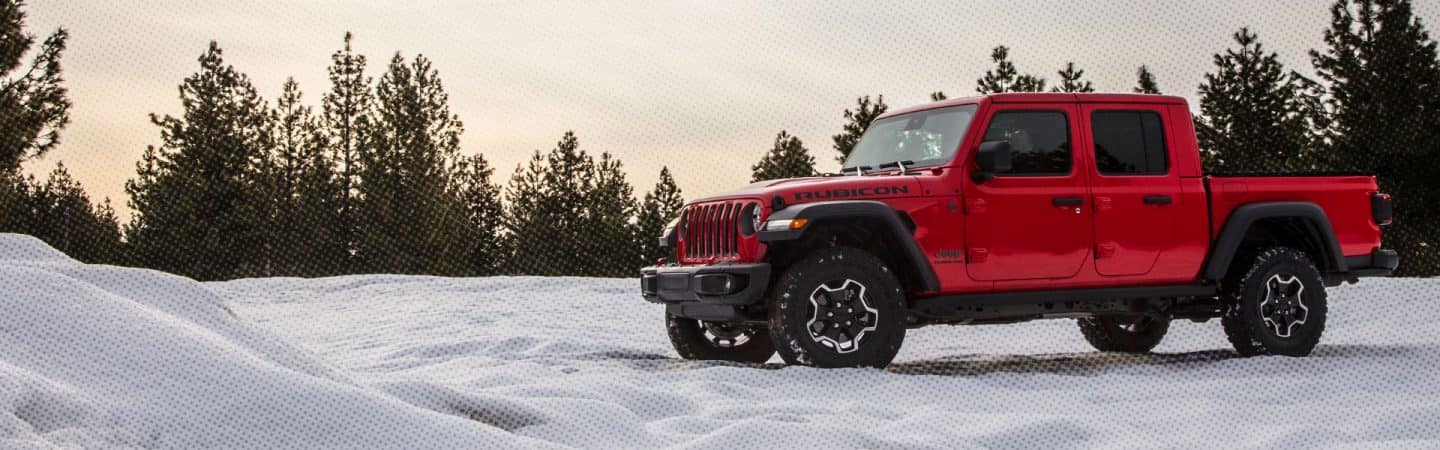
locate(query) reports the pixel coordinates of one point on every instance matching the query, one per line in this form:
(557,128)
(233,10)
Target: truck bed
(1344,198)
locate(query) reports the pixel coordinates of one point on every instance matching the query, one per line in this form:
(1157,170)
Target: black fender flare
(1242,218)
(909,250)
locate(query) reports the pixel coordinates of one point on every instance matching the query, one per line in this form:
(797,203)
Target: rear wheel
(712,341)
(1277,307)
(1135,334)
(838,307)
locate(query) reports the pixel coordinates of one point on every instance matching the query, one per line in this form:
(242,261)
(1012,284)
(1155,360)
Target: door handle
(1158,200)
(1067,201)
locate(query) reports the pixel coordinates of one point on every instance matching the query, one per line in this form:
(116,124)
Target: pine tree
(15,212)
(661,205)
(1145,82)
(1253,114)
(569,214)
(152,188)
(787,159)
(198,207)
(612,208)
(548,212)
(19,209)
(109,243)
(34,104)
(1071,80)
(1381,78)
(308,238)
(322,201)
(1029,83)
(409,221)
(1005,78)
(29,124)
(346,112)
(64,217)
(531,216)
(485,211)
(857,121)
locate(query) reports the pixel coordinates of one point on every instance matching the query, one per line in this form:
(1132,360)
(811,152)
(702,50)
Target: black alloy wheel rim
(841,315)
(1283,307)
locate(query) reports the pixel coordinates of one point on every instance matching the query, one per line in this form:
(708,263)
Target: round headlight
(750,219)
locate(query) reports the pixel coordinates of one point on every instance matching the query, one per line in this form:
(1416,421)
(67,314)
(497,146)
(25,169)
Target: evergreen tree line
(374,180)
(371,181)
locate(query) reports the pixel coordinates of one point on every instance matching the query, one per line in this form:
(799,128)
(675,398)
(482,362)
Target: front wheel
(838,307)
(712,341)
(1277,307)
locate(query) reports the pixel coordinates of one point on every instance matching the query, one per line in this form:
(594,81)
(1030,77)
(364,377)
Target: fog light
(715,284)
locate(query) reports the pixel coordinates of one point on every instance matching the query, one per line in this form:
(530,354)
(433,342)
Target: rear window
(1129,143)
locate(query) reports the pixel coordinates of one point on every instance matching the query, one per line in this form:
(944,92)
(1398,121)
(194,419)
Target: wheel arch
(1301,225)
(868,225)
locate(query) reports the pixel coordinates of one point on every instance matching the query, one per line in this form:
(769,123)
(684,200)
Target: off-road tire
(689,338)
(834,268)
(1124,334)
(1244,321)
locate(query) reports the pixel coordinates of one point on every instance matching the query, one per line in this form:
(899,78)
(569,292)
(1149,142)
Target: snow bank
(98,356)
(585,362)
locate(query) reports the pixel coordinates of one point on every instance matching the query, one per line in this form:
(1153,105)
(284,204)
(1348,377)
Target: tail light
(1380,209)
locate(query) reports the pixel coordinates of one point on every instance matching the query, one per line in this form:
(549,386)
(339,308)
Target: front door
(1034,221)
(1134,189)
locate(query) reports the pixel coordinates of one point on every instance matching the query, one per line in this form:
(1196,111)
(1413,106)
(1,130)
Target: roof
(1046,97)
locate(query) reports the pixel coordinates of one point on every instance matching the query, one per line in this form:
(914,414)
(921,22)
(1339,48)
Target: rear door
(1032,222)
(1133,185)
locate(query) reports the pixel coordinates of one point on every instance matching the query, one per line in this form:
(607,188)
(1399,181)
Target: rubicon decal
(851,193)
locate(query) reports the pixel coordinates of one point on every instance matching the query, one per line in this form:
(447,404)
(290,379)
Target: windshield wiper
(859,170)
(901,164)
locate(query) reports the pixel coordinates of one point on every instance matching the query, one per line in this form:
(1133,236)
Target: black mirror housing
(993,157)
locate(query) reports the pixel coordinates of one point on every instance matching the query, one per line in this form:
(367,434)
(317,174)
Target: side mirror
(993,158)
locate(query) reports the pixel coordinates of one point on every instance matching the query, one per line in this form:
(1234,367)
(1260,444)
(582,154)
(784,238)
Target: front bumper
(714,293)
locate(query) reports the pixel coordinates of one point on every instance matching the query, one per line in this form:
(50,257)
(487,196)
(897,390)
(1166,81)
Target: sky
(701,87)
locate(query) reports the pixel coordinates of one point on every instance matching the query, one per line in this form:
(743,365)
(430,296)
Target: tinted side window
(1129,143)
(1039,141)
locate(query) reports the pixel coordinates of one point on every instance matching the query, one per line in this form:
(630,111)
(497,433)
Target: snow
(98,356)
(104,356)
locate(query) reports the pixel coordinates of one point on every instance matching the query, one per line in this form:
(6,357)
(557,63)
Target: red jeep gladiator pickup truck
(1012,207)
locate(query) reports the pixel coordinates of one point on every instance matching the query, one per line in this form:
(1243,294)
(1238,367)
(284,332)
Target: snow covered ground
(103,356)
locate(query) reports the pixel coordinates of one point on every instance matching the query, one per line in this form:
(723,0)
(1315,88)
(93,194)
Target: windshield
(921,138)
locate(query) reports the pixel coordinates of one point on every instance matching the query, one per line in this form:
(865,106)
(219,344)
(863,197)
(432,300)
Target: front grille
(712,230)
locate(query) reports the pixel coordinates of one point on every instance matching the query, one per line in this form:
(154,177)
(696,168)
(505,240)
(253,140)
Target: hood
(819,189)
